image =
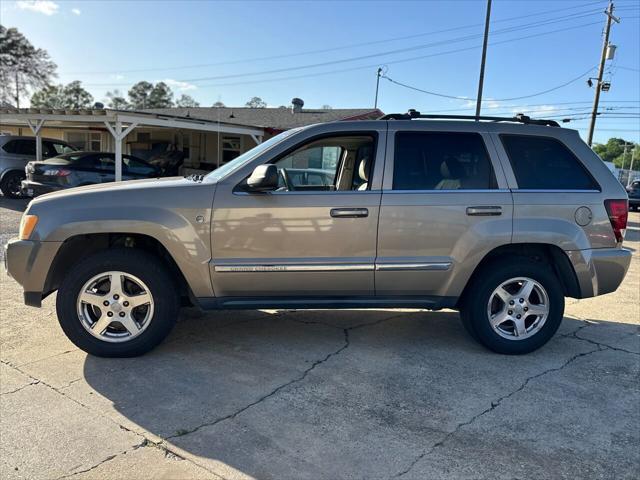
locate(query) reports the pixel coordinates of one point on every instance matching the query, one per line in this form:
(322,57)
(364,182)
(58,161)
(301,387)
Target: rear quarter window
(544,163)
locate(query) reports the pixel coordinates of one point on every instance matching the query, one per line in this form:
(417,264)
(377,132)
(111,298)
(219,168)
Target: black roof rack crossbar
(520,118)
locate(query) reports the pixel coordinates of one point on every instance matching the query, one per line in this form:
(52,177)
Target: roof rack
(519,118)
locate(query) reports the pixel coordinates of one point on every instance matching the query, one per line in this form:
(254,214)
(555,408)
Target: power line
(497,99)
(342,47)
(372,55)
(391,62)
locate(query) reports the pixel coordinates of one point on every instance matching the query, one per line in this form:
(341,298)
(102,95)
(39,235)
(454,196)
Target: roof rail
(519,118)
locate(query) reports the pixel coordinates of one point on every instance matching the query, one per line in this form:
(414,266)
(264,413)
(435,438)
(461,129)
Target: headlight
(27,224)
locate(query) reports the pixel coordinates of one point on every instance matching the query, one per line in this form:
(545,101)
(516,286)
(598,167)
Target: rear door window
(441,161)
(544,163)
(26,147)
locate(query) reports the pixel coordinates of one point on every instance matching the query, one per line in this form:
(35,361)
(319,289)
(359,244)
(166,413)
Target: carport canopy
(118,122)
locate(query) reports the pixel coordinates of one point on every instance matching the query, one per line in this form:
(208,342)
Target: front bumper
(30,188)
(28,262)
(600,270)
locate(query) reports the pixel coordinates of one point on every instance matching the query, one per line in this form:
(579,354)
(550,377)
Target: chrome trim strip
(357,267)
(533,190)
(398,267)
(475,190)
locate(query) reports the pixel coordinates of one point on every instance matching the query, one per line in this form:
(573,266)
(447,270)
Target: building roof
(275,118)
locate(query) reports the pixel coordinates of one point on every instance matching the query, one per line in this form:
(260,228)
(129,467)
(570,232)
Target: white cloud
(178,85)
(46,7)
(76,11)
(116,76)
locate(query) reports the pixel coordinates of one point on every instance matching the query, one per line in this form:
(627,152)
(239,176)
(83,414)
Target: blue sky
(222,50)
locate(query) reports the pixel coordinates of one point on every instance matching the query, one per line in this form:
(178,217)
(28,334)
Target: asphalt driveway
(323,394)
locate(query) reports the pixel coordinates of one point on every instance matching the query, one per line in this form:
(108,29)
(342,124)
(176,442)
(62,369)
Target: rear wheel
(514,307)
(117,303)
(11,184)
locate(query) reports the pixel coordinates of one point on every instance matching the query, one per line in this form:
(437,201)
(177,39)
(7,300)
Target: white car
(16,152)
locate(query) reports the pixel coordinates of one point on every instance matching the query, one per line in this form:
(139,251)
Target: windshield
(246,157)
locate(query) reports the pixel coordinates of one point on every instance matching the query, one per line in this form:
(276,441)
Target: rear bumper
(28,263)
(30,188)
(599,270)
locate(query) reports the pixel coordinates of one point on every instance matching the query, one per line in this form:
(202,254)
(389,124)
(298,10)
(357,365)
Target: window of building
(86,141)
(441,161)
(231,148)
(543,163)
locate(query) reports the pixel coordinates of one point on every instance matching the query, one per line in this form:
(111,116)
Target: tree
(160,96)
(71,96)
(22,66)
(186,101)
(613,151)
(326,107)
(218,104)
(256,102)
(139,95)
(117,101)
(76,96)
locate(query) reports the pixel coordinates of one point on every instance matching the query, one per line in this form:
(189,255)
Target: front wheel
(12,183)
(515,307)
(117,303)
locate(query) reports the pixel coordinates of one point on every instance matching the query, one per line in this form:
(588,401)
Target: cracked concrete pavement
(323,394)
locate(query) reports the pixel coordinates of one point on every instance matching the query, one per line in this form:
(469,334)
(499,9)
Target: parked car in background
(633,190)
(500,219)
(15,152)
(81,168)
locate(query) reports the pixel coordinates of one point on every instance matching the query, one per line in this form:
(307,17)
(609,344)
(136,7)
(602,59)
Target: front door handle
(484,211)
(349,212)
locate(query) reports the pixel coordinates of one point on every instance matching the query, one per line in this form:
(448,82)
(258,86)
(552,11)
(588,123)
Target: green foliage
(613,151)
(139,95)
(218,104)
(71,96)
(22,66)
(256,102)
(186,101)
(146,95)
(117,101)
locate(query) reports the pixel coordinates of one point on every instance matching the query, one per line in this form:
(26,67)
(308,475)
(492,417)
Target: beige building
(207,137)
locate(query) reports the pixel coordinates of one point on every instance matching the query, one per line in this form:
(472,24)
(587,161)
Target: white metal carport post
(36,131)
(118,136)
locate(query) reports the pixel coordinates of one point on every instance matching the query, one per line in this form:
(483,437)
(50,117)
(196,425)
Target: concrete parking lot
(323,394)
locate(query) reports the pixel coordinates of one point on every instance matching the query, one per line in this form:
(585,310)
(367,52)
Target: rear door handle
(349,212)
(484,211)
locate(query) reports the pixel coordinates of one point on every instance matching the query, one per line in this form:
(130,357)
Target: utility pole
(484,58)
(378,74)
(629,179)
(603,56)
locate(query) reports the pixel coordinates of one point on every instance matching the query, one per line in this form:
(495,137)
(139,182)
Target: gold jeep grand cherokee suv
(500,219)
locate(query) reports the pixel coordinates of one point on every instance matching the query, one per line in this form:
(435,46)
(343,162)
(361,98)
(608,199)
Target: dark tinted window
(26,147)
(135,166)
(441,161)
(542,163)
(11,146)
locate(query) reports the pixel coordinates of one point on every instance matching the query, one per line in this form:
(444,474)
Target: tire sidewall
(483,288)
(138,263)
(5,181)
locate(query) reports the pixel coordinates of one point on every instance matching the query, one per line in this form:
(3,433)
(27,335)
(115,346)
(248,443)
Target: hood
(154,186)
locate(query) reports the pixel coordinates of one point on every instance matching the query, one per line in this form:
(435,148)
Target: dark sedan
(81,168)
(633,191)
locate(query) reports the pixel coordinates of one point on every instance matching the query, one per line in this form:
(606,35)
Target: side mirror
(264,178)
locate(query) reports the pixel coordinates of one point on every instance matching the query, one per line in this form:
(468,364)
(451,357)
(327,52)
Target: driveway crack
(494,404)
(299,378)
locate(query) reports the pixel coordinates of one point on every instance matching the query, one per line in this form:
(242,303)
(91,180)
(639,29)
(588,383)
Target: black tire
(473,310)
(11,184)
(148,268)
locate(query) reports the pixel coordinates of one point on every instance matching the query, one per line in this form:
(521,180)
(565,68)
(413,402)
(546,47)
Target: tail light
(618,210)
(58,172)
